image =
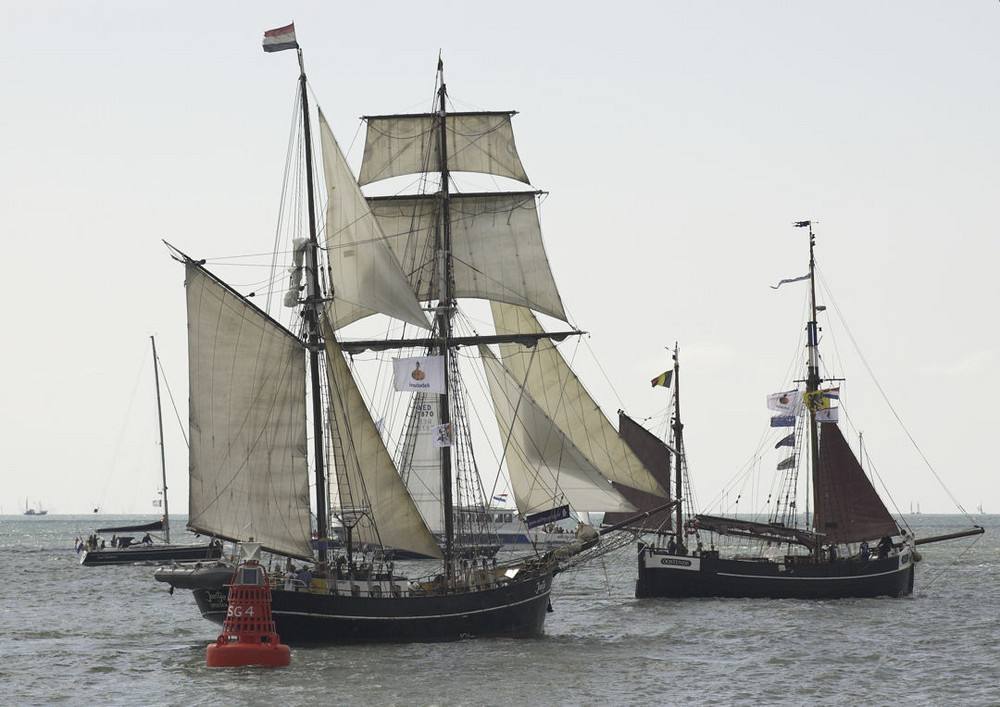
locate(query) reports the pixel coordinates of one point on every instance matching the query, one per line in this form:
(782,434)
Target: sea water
(77,635)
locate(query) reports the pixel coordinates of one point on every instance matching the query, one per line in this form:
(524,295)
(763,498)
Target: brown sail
(655,456)
(848,509)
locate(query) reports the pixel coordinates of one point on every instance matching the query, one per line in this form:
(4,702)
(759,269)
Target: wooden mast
(812,385)
(444,313)
(679,445)
(313,303)
(163,456)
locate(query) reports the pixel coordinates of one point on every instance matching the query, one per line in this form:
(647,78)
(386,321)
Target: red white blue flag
(275,40)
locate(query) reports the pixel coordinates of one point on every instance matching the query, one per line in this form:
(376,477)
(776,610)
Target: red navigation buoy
(248,634)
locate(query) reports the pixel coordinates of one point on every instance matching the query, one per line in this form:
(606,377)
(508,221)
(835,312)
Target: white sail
(367,480)
(366,275)
(408,144)
(552,384)
(248,453)
(496,244)
(421,459)
(546,469)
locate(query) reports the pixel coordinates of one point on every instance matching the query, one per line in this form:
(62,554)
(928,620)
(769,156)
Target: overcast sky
(677,141)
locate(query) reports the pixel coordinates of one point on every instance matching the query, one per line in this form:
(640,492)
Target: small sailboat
(847,545)
(395,450)
(122,549)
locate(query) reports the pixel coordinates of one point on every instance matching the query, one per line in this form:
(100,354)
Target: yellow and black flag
(663,379)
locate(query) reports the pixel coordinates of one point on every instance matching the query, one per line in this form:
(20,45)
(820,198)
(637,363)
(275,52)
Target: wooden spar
(679,460)
(629,521)
(975,530)
(528,340)
(445,312)
(314,303)
(813,381)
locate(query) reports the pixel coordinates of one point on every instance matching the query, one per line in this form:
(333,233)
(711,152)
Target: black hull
(664,575)
(158,554)
(516,610)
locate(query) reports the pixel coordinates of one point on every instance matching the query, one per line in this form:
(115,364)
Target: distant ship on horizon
(29,511)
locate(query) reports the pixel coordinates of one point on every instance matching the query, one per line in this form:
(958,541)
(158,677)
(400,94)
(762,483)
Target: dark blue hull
(151,554)
(516,609)
(665,575)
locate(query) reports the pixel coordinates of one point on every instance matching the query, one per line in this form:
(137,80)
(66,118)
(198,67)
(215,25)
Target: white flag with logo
(419,374)
(789,402)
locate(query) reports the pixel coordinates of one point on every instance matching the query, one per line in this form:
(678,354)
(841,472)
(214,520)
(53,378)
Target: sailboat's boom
(975,530)
(634,519)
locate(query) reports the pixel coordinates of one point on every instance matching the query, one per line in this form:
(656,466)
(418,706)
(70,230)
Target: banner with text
(419,374)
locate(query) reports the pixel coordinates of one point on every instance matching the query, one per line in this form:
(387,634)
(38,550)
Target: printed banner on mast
(419,374)
(441,435)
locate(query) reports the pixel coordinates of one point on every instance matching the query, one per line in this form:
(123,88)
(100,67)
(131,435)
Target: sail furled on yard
(550,381)
(545,467)
(248,449)
(396,145)
(365,273)
(656,457)
(367,480)
(848,509)
(496,247)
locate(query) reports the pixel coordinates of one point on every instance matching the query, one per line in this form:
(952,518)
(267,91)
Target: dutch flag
(275,40)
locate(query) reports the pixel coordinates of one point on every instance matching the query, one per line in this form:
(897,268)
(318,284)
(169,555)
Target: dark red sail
(848,509)
(655,456)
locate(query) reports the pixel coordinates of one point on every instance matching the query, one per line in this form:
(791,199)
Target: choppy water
(113,636)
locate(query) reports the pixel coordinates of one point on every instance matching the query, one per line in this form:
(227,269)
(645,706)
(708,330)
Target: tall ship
(383,394)
(839,540)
